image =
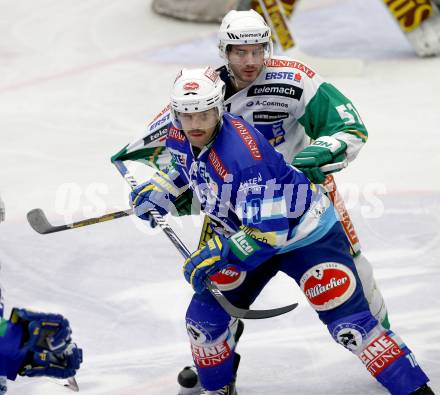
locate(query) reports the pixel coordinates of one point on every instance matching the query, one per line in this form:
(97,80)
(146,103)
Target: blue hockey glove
(322,151)
(54,364)
(205,262)
(45,331)
(157,194)
(141,199)
(45,345)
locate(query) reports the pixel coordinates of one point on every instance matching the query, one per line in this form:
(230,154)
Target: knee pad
(365,272)
(206,321)
(378,308)
(353,331)
(372,293)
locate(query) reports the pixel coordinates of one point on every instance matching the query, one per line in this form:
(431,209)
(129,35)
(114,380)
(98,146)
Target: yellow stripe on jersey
(357,133)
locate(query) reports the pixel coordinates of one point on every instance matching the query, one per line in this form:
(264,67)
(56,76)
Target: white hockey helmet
(241,28)
(196,90)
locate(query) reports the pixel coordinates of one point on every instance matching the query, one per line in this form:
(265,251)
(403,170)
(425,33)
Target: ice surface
(79,80)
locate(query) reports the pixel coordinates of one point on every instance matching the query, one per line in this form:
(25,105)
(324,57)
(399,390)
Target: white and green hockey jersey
(289,103)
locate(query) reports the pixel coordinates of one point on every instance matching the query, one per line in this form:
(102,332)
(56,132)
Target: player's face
(246,62)
(199,127)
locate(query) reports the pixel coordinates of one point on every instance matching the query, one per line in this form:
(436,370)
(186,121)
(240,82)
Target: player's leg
(328,277)
(212,343)
(363,265)
(213,334)
(188,378)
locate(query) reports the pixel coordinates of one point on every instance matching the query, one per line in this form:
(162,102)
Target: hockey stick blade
(69,383)
(236,312)
(38,221)
(72,384)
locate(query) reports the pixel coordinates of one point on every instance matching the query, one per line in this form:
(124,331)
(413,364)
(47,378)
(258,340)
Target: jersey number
(348,114)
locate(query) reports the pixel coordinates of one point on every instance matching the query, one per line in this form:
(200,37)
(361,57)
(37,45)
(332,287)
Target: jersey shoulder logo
(291,64)
(247,138)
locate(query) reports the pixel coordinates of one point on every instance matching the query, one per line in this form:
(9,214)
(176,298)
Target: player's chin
(196,138)
(249,75)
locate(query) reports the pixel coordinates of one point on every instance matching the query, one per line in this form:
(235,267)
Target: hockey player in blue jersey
(308,120)
(274,219)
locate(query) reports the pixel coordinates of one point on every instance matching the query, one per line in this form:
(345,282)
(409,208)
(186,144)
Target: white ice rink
(79,79)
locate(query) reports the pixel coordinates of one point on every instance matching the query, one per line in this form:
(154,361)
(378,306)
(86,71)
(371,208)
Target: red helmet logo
(191,86)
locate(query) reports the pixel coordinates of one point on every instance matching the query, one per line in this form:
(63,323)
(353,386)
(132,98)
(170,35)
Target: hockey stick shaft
(333,194)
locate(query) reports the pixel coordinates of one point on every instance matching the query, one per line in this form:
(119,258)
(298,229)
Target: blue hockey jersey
(241,181)
(11,358)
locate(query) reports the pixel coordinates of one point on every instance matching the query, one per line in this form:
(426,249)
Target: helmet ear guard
(196,90)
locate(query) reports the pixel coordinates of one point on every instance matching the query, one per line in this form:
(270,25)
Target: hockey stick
(72,384)
(69,383)
(333,194)
(211,286)
(38,221)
